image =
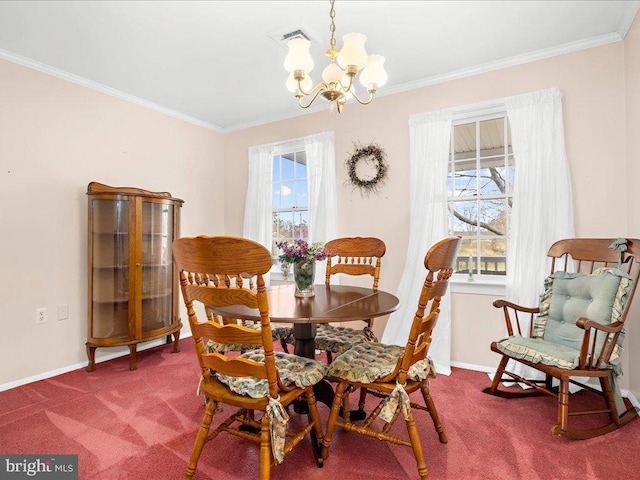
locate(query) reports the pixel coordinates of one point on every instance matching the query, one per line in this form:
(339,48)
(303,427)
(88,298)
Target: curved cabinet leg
(176,340)
(91,355)
(133,359)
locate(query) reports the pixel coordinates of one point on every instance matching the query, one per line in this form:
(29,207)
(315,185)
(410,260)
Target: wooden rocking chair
(576,331)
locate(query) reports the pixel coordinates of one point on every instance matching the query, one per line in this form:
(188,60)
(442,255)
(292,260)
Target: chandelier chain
(332,28)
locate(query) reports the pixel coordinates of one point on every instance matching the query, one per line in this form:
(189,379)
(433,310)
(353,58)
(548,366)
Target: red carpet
(142,424)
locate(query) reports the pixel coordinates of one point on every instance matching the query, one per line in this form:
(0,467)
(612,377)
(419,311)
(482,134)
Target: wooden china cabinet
(133,284)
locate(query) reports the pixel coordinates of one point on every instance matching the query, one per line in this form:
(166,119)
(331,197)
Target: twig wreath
(373,154)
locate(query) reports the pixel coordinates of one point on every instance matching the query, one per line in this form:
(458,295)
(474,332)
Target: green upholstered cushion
(293,369)
(537,350)
(368,362)
(576,295)
(600,296)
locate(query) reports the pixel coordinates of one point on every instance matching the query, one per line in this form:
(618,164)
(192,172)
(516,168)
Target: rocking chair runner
(578,330)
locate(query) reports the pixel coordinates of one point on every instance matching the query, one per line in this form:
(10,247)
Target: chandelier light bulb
(332,73)
(374,73)
(298,57)
(353,52)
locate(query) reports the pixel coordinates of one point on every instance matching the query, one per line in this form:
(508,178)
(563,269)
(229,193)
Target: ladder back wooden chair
(576,331)
(277,333)
(392,372)
(255,381)
(350,256)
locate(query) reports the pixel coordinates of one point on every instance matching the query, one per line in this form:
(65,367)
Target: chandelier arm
(320,87)
(348,87)
(361,102)
(313,99)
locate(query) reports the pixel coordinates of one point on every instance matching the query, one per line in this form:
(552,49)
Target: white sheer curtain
(323,203)
(429,150)
(542,203)
(257,208)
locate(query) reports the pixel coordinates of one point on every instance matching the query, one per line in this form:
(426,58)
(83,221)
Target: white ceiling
(215,63)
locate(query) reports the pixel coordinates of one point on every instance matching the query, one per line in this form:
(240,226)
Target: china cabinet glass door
(157,265)
(110,268)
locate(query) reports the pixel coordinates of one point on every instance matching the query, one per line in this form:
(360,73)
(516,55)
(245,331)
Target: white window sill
(278,279)
(481,285)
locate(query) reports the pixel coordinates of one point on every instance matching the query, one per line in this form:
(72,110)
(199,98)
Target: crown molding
(321,107)
(507,62)
(433,80)
(628,18)
(467,72)
(98,87)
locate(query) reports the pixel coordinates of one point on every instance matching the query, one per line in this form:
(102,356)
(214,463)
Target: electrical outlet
(41,315)
(63,312)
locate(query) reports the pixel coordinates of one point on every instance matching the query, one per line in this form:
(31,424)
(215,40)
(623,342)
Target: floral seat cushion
(282,333)
(340,339)
(368,362)
(294,370)
(277,333)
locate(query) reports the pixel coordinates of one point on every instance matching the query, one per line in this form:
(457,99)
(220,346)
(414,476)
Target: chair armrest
(504,303)
(587,323)
(511,318)
(593,358)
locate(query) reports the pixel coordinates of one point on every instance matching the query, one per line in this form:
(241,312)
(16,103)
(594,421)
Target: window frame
(280,149)
(460,282)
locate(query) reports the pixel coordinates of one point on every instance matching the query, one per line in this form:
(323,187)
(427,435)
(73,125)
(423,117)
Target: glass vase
(303,274)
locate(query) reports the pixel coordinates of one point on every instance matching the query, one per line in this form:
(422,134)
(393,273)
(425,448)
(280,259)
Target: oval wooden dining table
(331,303)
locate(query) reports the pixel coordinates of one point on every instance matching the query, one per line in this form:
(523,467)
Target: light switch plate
(63,312)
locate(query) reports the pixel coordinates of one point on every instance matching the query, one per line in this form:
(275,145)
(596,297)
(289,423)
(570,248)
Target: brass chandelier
(338,77)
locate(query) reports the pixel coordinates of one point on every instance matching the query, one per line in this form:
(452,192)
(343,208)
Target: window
(290,199)
(479,189)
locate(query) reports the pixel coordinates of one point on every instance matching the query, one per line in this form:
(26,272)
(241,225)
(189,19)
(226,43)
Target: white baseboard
(76,366)
(156,343)
(471,366)
(631,397)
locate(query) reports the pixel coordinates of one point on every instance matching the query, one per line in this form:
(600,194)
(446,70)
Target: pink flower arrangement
(299,251)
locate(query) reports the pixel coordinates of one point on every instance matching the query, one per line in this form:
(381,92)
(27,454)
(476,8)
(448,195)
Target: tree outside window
(480,188)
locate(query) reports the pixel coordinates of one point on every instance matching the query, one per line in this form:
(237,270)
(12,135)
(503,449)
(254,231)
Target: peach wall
(632,81)
(55,138)
(592,82)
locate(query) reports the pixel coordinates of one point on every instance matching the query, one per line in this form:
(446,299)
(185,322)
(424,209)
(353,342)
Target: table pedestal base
(304,334)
